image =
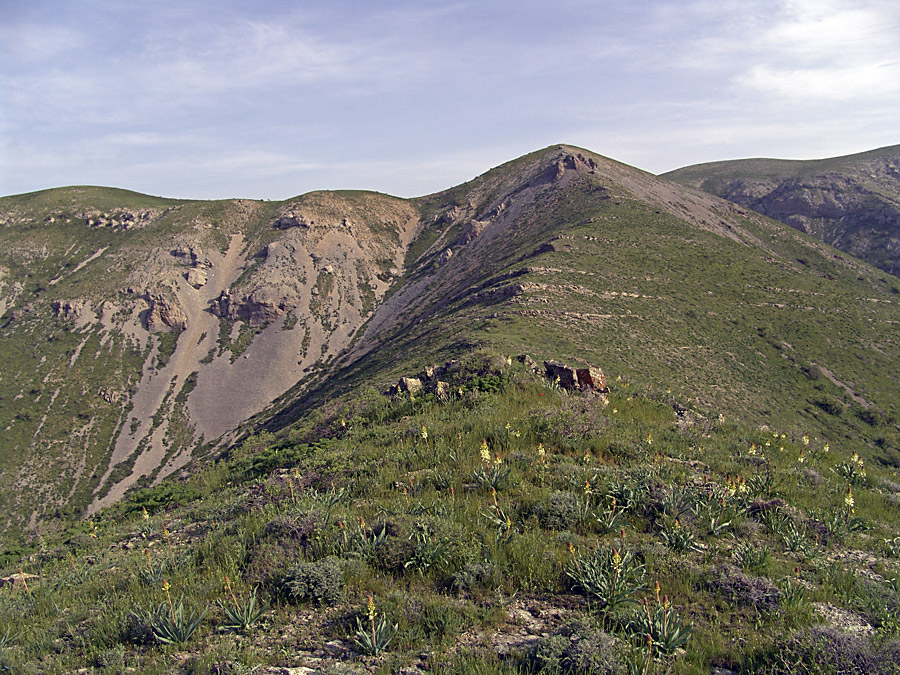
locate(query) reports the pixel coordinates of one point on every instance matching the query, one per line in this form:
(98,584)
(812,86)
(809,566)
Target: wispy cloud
(828,49)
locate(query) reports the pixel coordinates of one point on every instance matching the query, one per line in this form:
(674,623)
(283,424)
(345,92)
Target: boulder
(163,315)
(568,377)
(409,385)
(591,379)
(196,277)
(528,362)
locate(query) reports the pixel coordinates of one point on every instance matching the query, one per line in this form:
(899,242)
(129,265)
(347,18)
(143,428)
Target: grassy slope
(459,580)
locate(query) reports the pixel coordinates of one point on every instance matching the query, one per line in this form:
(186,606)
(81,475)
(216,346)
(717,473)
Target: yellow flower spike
(424,433)
(649,439)
(485,453)
(166,586)
(616,559)
(805,439)
(370,607)
(826,448)
(145,515)
(657,589)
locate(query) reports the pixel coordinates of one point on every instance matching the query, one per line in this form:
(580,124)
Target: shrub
(744,589)
(474,575)
(560,512)
(577,649)
(817,651)
(320,583)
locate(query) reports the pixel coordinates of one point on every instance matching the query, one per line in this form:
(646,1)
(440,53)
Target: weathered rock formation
(163,315)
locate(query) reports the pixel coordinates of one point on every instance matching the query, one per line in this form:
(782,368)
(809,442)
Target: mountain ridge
(851,202)
(335,290)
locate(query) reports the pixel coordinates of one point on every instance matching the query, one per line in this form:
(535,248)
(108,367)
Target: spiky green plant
(660,626)
(241,616)
(168,622)
(376,636)
(608,578)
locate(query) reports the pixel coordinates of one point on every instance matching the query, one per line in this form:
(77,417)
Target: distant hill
(140,336)
(850,202)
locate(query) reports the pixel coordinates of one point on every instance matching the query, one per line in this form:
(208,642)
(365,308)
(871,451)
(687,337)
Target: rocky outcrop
(259,307)
(191,256)
(68,310)
(291,219)
(164,315)
(125,219)
(590,379)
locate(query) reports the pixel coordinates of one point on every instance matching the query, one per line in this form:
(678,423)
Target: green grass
(327,487)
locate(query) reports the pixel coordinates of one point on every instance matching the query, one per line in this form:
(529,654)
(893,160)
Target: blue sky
(212,99)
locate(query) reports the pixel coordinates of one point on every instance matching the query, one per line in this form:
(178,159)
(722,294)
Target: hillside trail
(157,389)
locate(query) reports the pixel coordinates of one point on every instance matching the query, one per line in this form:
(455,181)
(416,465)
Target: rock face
(852,203)
(258,307)
(163,315)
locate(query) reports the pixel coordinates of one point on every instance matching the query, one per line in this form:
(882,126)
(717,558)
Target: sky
(211,99)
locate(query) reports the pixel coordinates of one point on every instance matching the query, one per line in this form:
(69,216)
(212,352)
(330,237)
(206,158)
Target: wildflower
(370,607)
(485,453)
(497,460)
(616,559)
(768,444)
(615,410)
(855,458)
(649,439)
(801,458)
(424,433)
(587,488)
(805,439)
(509,360)
(145,515)
(848,500)
(508,427)
(826,448)
(542,454)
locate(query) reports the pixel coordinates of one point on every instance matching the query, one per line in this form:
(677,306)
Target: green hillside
(513,527)
(745,458)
